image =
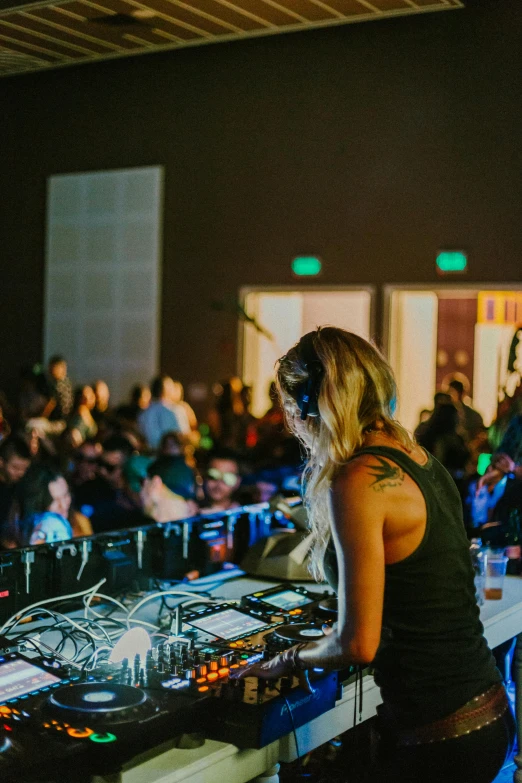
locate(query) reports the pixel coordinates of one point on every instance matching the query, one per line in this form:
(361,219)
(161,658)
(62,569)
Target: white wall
(347,309)
(492,342)
(103,266)
(413,347)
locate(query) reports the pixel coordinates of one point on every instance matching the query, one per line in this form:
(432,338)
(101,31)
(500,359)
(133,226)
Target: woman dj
(388,536)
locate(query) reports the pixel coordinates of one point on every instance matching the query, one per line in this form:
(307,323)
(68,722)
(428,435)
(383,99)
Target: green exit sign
(306,266)
(451,261)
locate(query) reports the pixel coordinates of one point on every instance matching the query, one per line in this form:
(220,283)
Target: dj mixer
(53,715)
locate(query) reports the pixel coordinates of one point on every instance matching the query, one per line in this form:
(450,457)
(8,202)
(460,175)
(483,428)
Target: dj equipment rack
(56,718)
(130,557)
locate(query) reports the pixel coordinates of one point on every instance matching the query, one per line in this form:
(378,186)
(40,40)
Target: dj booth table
(213,761)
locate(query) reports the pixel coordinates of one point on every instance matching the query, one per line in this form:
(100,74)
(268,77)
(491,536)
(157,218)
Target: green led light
(306,266)
(484,461)
(108,737)
(452,261)
(244,656)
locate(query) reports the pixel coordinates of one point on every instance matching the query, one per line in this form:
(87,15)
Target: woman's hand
(282,665)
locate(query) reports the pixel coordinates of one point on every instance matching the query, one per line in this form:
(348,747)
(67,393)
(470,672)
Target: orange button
(15,712)
(235,666)
(79,733)
(233,644)
(243,663)
(5,710)
(201,679)
(212,676)
(223,672)
(203,688)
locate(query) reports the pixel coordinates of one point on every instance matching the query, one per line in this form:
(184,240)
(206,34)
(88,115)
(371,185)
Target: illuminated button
(54,722)
(101,738)
(7,728)
(245,655)
(80,733)
(201,679)
(233,644)
(240,643)
(212,676)
(243,663)
(203,688)
(5,710)
(235,666)
(15,712)
(223,672)
(298,611)
(47,725)
(213,666)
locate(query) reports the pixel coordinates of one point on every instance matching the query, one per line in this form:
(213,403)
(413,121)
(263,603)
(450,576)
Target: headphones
(306,394)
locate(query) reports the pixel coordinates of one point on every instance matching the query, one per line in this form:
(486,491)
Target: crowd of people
(71,464)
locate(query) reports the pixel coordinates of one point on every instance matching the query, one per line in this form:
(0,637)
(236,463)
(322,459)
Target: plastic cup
(480,562)
(495,573)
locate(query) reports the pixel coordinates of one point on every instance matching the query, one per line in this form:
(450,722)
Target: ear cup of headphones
(306,394)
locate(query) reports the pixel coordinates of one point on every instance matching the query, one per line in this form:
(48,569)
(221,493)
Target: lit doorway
(450,331)
(279,317)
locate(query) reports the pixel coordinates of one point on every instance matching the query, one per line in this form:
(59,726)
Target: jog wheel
(299,632)
(99,703)
(328,608)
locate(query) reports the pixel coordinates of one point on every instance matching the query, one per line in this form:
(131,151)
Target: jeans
(477,757)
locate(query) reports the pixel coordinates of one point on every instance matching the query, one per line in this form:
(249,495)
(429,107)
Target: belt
(472,716)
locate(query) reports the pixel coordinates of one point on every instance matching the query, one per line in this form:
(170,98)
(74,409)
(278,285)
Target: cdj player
(290,602)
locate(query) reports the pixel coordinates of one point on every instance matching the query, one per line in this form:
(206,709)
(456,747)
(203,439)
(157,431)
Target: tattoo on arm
(385,475)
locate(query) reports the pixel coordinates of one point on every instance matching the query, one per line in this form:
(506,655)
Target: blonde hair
(357,389)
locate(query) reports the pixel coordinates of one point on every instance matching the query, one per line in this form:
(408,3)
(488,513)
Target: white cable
(50,601)
(147,598)
(88,607)
(147,625)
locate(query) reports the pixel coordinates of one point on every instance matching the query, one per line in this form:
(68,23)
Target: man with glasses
(221,482)
(107,499)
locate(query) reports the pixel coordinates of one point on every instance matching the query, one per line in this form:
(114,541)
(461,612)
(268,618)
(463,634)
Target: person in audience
(221,481)
(5,428)
(81,425)
(168,491)
(439,398)
(139,401)
(60,390)
(108,500)
(275,445)
(33,398)
(506,463)
(177,397)
(470,420)
(102,413)
(229,420)
(41,505)
(85,463)
(442,439)
(162,415)
(15,459)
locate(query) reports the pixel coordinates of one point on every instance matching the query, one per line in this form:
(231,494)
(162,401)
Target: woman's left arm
(358,512)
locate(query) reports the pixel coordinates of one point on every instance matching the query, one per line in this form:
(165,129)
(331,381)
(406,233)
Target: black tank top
(433,657)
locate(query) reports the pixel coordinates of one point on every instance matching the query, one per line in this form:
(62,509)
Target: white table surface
(214,762)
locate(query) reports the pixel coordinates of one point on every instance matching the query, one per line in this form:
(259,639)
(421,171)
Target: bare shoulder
(369,473)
